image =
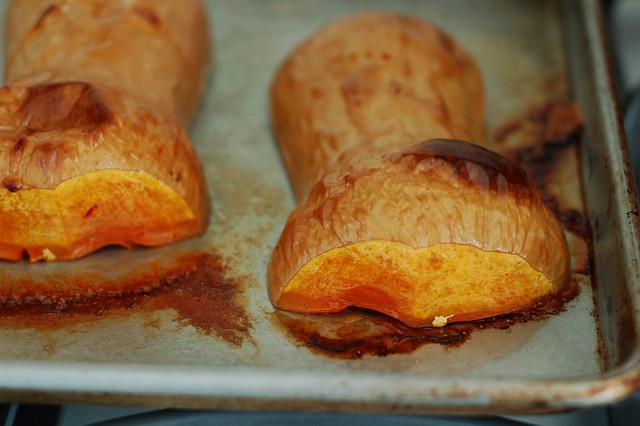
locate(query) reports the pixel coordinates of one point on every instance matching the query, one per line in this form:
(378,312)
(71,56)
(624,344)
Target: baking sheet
(584,356)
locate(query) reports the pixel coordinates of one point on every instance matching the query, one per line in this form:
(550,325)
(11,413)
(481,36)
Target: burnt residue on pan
(557,128)
(550,130)
(356,333)
(195,288)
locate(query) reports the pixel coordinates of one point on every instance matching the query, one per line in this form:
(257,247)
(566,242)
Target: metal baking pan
(237,354)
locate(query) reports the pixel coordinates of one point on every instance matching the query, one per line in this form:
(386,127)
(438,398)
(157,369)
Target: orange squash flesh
(91,211)
(94,149)
(421,287)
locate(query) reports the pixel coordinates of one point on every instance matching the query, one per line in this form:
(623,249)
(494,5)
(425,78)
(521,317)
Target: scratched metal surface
(580,357)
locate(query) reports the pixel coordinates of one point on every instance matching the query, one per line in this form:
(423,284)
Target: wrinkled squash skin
(93,143)
(380,119)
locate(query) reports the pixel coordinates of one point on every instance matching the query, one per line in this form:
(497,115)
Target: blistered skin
(103,90)
(380,121)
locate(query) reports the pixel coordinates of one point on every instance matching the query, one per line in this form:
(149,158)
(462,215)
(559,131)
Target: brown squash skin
(371,82)
(101,86)
(384,151)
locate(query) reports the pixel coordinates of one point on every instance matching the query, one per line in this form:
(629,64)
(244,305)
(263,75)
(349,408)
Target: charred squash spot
(60,106)
(11,184)
(472,162)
